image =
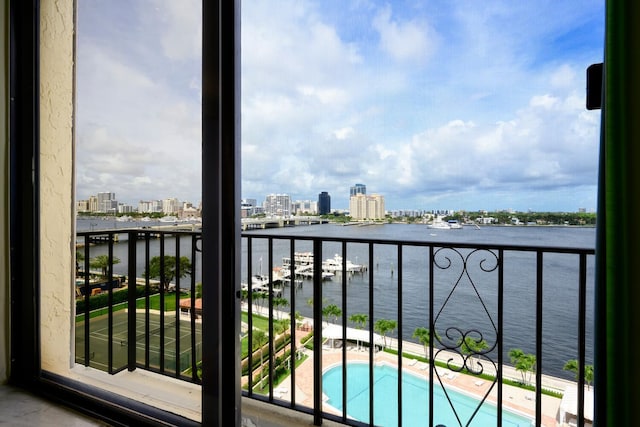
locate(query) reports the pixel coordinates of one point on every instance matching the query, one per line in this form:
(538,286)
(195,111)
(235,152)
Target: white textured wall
(57,242)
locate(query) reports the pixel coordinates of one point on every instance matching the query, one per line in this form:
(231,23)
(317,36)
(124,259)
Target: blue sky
(433,104)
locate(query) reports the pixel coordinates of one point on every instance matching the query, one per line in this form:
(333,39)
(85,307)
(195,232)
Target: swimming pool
(415,399)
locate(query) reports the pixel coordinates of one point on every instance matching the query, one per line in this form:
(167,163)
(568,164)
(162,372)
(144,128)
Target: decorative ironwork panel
(466,281)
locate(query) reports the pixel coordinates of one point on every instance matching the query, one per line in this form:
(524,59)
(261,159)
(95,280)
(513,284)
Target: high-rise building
(149,206)
(124,209)
(324,203)
(362,206)
(170,206)
(82,206)
(247,207)
(357,206)
(107,202)
(358,189)
(93,204)
(277,205)
(304,207)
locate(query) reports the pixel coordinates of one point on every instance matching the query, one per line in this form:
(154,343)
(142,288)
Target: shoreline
(549,382)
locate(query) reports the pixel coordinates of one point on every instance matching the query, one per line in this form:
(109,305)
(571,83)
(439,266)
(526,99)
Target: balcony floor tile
(21,408)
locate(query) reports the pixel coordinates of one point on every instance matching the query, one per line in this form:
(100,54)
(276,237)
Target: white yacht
(168,218)
(335,265)
(454,224)
(439,225)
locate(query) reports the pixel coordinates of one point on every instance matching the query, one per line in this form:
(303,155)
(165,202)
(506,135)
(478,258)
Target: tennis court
(156,349)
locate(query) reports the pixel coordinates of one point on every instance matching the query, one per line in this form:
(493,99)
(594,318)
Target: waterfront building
(107,202)
(277,205)
(124,209)
(170,206)
(149,206)
(362,206)
(93,204)
(188,211)
(247,207)
(82,206)
(358,189)
(302,207)
(324,203)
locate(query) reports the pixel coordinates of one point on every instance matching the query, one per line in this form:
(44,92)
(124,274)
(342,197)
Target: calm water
(471,304)
(415,399)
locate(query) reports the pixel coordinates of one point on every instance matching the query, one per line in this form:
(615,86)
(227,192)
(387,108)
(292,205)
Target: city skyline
(459,106)
(92,203)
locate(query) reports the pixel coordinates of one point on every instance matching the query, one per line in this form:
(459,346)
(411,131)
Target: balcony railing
(137,306)
(311,315)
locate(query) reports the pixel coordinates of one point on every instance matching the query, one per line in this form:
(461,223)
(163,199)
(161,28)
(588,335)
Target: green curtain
(617,377)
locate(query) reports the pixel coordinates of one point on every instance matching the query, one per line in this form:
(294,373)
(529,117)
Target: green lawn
(154,301)
(259,322)
(154,304)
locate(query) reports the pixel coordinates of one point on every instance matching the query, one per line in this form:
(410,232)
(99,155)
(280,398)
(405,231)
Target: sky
(460,105)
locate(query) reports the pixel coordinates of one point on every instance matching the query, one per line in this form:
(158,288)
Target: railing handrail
(375,241)
(145,235)
(420,243)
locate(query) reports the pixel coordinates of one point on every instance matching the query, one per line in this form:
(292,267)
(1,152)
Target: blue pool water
(415,399)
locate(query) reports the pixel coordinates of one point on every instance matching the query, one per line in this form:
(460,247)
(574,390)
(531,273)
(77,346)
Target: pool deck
(514,398)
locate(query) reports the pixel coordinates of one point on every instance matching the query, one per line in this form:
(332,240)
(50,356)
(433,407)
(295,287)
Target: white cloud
(564,77)
(344,133)
(543,101)
(465,100)
(182,30)
(405,41)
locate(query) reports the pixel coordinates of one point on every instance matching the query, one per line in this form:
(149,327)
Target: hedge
(102,300)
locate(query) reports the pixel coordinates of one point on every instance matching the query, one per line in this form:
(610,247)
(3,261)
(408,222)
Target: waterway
(471,305)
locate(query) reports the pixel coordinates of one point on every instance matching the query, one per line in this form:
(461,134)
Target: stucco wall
(57,229)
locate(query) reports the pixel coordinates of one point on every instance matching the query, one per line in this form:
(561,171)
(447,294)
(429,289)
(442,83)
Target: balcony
(393,314)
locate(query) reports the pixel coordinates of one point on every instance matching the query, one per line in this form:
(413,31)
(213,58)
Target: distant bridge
(262,223)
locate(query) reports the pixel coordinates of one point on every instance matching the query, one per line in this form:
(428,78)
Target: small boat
(299,259)
(168,218)
(439,225)
(454,224)
(260,283)
(335,265)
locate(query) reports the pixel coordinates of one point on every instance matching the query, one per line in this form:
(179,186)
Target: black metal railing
(146,315)
(451,278)
(461,293)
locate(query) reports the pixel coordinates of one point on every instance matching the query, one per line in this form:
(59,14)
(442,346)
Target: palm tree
(524,363)
(259,297)
(102,262)
(258,339)
(360,319)
(424,336)
(331,311)
(383,326)
(280,302)
(471,346)
(572,366)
